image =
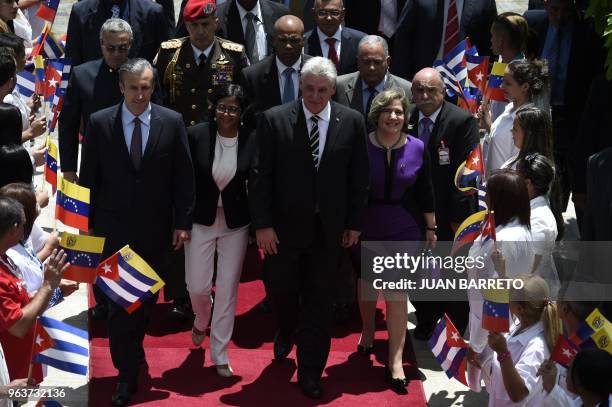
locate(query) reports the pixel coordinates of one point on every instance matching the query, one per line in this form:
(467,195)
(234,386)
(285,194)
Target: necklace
(231,144)
(392,146)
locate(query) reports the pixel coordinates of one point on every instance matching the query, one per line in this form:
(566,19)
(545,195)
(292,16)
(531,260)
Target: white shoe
(224,370)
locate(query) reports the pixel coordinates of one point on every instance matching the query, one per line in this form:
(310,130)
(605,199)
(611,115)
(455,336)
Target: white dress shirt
(433,117)
(225,162)
(127,119)
(324,117)
(544,232)
(260,32)
(14,98)
(197,52)
(325,46)
(498,144)
(294,76)
(459,4)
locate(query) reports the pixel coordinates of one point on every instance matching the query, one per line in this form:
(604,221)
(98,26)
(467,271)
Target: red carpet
(180,374)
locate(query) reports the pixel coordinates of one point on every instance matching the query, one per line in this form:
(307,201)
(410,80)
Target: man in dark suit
(146,18)
(428,29)
(330,39)
(449,133)
(358,89)
(250,22)
(566,39)
(275,80)
(308,195)
(136,163)
(597,225)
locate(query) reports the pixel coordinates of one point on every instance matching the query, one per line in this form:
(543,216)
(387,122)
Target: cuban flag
(48,9)
(470,171)
(453,68)
(128,280)
(26,83)
(66,69)
(449,349)
(53,79)
(488,227)
(563,352)
(477,67)
(482,202)
(70,349)
(52,47)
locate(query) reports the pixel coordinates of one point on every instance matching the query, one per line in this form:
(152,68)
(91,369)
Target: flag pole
(30,368)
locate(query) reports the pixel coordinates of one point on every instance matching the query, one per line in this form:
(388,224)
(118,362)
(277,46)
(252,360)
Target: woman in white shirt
(531,133)
(523,80)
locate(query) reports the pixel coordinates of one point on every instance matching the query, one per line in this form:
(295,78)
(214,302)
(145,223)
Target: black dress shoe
(365,350)
(310,387)
(99,312)
(395,384)
(265,306)
(180,310)
(282,346)
(123,394)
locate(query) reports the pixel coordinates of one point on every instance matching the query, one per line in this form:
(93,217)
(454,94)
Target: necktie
(136,145)
(451,38)
(201,61)
(372,93)
(288,90)
(250,38)
(388,17)
(314,140)
(425,130)
(331,54)
(115,10)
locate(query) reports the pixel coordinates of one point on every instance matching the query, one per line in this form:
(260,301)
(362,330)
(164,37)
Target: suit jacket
(458,130)
(348,48)
(349,90)
(147,19)
(138,207)
(260,84)
(202,142)
(230,26)
(286,191)
(93,86)
(419,32)
(365,15)
(597,223)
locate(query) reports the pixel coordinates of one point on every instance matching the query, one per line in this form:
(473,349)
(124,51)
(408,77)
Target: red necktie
(451,38)
(331,54)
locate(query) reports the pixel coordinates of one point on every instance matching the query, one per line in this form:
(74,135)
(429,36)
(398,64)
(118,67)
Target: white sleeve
(530,360)
(38,237)
(558,398)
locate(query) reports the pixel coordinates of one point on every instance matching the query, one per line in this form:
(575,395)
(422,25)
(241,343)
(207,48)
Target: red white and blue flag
(449,349)
(563,352)
(48,9)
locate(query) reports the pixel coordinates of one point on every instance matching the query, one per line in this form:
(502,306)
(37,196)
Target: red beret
(195,9)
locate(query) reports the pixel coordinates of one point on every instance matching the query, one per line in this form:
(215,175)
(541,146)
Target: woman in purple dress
(400,208)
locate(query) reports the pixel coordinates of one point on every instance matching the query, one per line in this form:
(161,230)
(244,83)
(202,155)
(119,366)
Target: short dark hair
(534,72)
(12,126)
(12,41)
(539,169)
(225,91)
(135,66)
(8,67)
(10,214)
(26,196)
(537,128)
(508,197)
(591,370)
(515,26)
(15,165)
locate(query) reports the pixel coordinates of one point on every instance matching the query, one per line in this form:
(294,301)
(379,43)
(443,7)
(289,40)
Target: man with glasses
(330,39)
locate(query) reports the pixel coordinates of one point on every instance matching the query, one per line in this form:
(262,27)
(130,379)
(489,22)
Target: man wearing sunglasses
(330,39)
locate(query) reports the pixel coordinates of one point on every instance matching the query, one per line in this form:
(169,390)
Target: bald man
(450,133)
(274,80)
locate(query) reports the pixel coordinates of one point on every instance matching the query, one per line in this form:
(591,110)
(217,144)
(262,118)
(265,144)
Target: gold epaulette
(231,46)
(173,43)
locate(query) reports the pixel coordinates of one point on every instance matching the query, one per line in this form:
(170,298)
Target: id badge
(443,154)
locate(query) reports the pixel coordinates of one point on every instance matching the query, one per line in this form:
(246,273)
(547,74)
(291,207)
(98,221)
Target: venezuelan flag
(137,281)
(468,231)
(496,77)
(72,205)
(496,310)
(51,164)
(39,72)
(84,253)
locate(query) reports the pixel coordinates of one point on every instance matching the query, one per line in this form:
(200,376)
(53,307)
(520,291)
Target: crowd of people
(302,128)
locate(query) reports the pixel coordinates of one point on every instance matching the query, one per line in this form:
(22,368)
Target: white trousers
(230,245)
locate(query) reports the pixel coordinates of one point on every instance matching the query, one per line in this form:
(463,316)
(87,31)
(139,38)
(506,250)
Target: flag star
(107,268)
(52,82)
(455,336)
(567,353)
(39,340)
(479,77)
(475,160)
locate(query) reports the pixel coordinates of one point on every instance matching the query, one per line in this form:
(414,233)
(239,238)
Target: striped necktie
(314,140)
(451,38)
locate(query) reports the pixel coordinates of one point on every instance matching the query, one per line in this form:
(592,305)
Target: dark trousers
(174,277)
(564,126)
(299,282)
(126,333)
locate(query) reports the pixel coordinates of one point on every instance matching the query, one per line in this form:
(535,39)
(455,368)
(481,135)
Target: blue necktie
(425,130)
(288,90)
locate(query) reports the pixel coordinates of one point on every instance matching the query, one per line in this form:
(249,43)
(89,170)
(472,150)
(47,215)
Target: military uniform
(186,86)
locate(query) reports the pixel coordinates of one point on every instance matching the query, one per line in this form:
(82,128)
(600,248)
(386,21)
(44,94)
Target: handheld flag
(137,282)
(70,350)
(52,47)
(563,352)
(488,227)
(109,268)
(594,322)
(53,79)
(39,42)
(39,72)
(26,83)
(48,9)
(469,170)
(496,310)
(84,253)
(452,359)
(496,77)
(482,202)
(453,337)
(42,339)
(603,339)
(51,164)
(72,205)
(478,67)
(468,231)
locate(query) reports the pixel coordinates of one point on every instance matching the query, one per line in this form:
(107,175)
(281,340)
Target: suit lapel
(345,55)
(469,7)
(314,44)
(354,93)
(271,76)
(234,25)
(332,133)
(268,22)
(117,135)
(155,127)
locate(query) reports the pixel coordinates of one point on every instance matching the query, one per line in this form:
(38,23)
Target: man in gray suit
(358,89)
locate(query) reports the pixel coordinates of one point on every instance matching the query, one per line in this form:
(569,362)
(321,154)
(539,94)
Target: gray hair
(384,99)
(116,25)
(373,40)
(319,66)
(134,66)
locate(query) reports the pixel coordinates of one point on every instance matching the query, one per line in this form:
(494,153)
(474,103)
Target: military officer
(192,66)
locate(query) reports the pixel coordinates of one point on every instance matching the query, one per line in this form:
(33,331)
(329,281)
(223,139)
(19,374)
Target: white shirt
(294,76)
(260,32)
(498,145)
(388,17)
(544,232)
(197,52)
(14,98)
(30,267)
(325,47)
(224,163)
(38,238)
(528,350)
(4,378)
(324,117)
(459,4)
(23,30)
(127,119)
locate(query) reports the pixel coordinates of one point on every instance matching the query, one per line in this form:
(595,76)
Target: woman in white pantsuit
(222,153)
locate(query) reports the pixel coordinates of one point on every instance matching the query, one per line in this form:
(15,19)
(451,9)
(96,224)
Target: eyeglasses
(231,110)
(289,40)
(398,113)
(329,13)
(122,49)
